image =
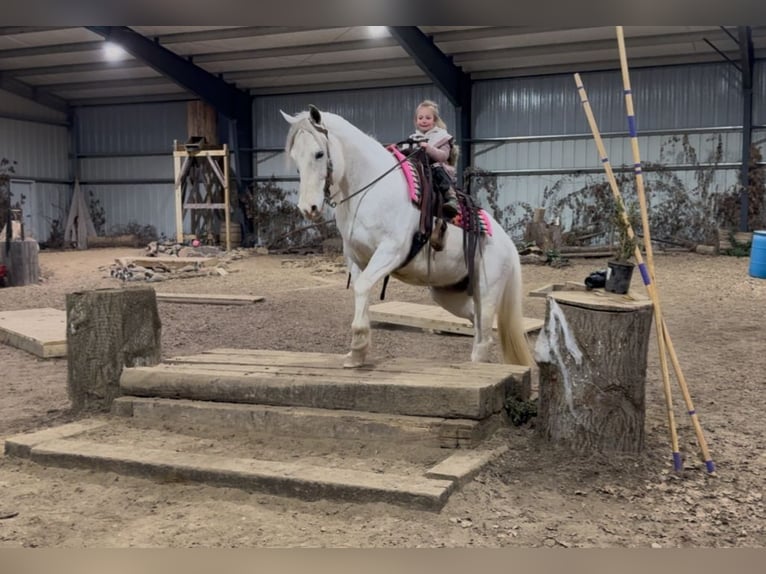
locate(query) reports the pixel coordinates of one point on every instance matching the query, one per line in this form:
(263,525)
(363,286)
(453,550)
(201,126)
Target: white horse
(335,161)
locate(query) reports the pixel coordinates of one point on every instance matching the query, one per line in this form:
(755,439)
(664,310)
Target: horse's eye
(319,155)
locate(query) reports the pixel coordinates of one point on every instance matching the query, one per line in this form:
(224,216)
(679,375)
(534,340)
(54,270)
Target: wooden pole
(648,246)
(677,462)
(227,215)
(179,179)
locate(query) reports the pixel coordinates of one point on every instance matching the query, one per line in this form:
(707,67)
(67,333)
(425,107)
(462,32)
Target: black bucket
(618,277)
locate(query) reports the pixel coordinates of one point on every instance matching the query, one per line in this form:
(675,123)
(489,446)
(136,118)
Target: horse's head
(310,146)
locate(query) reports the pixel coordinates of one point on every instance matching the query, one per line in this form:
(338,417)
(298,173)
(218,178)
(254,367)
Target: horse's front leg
(385,259)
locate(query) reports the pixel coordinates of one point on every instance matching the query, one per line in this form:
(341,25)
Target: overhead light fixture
(113,52)
(377,31)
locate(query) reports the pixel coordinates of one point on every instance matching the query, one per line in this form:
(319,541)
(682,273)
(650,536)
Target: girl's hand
(424,144)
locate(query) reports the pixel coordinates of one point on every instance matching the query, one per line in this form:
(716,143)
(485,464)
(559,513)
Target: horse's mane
(341,128)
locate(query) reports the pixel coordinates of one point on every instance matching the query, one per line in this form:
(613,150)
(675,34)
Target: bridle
(328,180)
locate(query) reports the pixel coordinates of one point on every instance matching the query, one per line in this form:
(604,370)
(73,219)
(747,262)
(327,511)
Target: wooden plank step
(281,478)
(399,474)
(417,394)
(208,299)
(432,317)
(41,332)
(205,417)
(334,362)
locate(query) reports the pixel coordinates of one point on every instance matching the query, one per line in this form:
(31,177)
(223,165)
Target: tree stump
(592,357)
(21,259)
(106,330)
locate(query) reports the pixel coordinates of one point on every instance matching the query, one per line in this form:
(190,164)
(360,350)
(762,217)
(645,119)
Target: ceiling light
(377,31)
(113,51)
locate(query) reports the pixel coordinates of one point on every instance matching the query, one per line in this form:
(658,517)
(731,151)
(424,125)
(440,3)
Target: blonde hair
(438,121)
(454,152)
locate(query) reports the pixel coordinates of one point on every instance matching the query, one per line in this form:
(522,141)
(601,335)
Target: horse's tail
(510,322)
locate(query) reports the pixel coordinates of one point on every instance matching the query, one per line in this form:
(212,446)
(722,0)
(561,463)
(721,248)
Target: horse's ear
(316,116)
(288,118)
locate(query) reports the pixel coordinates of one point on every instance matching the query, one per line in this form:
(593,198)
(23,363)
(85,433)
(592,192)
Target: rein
(328,181)
(377,179)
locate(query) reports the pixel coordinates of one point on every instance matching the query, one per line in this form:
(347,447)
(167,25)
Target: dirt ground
(534,495)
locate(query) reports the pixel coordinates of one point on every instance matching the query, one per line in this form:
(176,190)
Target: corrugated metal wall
(42,171)
(125,151)
(664,98)
(759,106)
(126,161)
(548,145)
(386,114)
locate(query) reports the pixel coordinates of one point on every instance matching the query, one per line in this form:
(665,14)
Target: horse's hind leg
(486,298)
(460,304)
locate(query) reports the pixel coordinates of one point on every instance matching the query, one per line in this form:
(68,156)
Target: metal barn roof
(66,66)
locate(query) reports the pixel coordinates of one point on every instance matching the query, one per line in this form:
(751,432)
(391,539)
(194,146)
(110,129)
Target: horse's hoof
(352,362)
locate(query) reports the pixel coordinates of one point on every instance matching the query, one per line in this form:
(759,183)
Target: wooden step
(213,419)
(108,445)
(317,380)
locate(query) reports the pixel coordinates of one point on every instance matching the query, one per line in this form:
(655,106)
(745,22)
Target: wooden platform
(209,299)
(41,332)
(431,317)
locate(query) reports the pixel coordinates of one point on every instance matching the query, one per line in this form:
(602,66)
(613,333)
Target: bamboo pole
(226,196)
(648,246)
(677,461)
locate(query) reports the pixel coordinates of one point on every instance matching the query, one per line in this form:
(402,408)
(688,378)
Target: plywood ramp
(432,317)
(41,332)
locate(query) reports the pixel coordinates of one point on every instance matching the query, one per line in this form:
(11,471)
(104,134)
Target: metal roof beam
(455,84)
(230,33)
(76,68)
(110,84)
(228,100)
(33,93)
(297,50)
(492,32)
(118,100)
(282,51)
(272,89)
(51,49)
(16,30)
(586,45)
(320,69)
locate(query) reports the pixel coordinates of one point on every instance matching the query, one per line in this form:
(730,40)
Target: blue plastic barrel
(758,255)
